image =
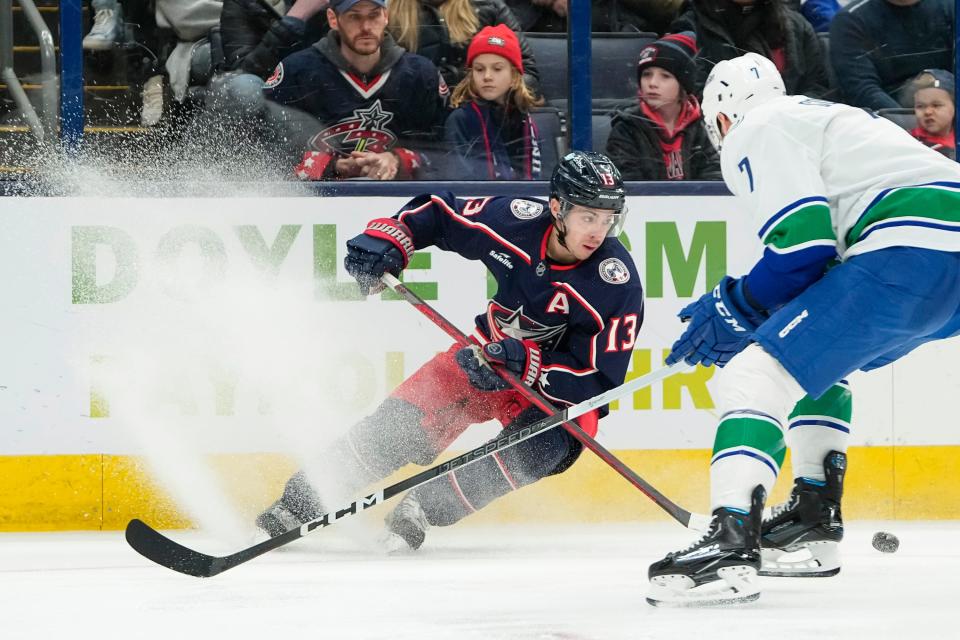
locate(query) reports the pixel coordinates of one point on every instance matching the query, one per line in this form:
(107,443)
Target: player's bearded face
(362,28)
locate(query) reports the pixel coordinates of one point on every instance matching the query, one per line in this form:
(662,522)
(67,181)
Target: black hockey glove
(385,246)
(520,357)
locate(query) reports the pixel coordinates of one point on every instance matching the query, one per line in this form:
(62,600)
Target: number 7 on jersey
(745,166)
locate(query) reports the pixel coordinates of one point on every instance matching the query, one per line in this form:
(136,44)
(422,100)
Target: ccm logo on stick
(354,507)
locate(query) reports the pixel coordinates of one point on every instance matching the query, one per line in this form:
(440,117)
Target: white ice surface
(521,582)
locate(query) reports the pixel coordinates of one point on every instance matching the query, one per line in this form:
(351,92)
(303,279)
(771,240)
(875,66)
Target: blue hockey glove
(386,245)
(722,323)
(520,357)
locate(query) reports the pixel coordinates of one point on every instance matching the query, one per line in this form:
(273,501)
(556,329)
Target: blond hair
(519,93)
(459,15)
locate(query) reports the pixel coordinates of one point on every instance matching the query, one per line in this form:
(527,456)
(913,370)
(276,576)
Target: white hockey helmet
(734,87)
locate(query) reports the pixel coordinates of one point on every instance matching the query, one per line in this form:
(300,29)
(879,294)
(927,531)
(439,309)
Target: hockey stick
(681,515)
(154,546)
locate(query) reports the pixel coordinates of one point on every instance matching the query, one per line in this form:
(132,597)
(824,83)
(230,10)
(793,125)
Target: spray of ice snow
(236,364)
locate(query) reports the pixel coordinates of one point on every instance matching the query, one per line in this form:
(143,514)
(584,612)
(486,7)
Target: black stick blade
(155,546)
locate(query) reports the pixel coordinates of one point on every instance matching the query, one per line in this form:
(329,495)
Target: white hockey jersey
(818,175)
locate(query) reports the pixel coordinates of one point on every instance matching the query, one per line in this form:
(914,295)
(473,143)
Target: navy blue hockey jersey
(401,102)
(584,316)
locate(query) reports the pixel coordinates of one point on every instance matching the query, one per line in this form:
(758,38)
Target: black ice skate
(298,504)
(406,526)
(718,569)
(800,536)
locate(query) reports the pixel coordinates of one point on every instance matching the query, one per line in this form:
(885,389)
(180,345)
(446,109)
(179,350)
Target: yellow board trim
(92,492)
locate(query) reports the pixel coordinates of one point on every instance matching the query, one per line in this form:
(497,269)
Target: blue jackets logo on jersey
(512,323)
(275,78)
(365,131)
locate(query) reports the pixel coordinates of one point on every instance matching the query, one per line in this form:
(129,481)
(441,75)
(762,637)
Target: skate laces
(711,530)
(778,510)
(410,509)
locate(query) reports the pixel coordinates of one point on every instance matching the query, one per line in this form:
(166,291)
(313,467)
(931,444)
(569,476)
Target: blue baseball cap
(941,79)
(339,6)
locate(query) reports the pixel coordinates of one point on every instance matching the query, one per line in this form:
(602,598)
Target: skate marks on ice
(520,582)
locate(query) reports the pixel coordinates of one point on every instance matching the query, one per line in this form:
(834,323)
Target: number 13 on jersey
(629,327)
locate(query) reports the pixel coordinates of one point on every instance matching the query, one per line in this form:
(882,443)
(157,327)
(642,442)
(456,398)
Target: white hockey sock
(755,394)
(748,450)
(810,444)
(817,427)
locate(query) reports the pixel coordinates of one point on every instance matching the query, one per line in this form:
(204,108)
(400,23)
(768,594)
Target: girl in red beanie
(441,31)
(491,133)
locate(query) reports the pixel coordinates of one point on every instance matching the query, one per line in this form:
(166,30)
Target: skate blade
(737,585)
(806,560)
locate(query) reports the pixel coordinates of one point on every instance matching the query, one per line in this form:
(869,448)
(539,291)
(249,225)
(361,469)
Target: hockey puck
(885,542)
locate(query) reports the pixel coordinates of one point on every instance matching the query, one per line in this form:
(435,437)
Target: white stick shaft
(626,388)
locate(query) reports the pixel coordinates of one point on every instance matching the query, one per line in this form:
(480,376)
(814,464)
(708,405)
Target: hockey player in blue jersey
(823,182)
(565,317)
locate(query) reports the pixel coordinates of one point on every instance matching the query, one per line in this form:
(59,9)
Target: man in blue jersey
(564,319)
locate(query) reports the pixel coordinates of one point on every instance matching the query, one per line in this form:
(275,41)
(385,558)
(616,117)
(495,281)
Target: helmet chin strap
(560,226)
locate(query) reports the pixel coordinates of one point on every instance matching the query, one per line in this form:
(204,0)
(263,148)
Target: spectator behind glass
(935,110)
(490,131)
(256,35)
(729,28)
(185,25)
(877,46)
(108,27)
(134,27)
(371,97)
(441,30)
(550,16)
(663,138)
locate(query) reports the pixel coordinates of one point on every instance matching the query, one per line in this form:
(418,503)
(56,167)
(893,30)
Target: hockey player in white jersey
(823,182)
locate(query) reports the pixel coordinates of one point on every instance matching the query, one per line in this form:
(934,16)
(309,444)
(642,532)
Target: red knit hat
(499,40)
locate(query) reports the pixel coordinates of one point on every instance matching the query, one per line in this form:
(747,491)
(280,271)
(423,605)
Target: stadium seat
(601,124)
(614,77)
(552,125)
(905,118)
(834,88)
